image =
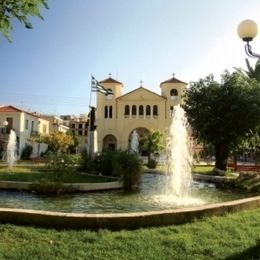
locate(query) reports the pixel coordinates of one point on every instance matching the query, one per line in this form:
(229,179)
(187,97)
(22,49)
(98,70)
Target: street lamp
(247,30)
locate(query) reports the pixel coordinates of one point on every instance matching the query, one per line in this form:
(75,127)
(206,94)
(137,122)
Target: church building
(118,115)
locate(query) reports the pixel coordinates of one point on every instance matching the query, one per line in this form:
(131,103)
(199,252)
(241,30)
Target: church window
(174,93)
(141,110)
(127,110)
(106,112)
(148,110)
(134,110)
(155,110)
(110,111)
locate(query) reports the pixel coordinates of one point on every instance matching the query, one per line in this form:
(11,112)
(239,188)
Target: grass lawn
(207,169)
(32,174)
(233,236)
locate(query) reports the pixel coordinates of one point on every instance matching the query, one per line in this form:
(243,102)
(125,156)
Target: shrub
(86,163)
(129,168)
(26,152)
(152,163)
(123,164)
(60,164)
(48,187)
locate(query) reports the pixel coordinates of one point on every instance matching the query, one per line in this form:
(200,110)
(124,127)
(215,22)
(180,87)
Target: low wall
(117,221)
(27,186)
(211,178)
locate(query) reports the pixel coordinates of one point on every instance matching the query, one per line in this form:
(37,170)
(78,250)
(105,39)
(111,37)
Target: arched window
(127,110)
(155,110)
(174,93)
(134,110)
(110,111)
(141,110)
(148,110)
(106,112)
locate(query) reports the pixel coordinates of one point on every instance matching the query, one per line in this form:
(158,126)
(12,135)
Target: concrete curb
(211,178)
(27,186)
(118,221)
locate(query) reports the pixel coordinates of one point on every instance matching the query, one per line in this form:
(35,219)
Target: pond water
(148,198)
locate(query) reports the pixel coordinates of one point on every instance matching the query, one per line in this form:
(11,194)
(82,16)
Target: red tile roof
(5,109)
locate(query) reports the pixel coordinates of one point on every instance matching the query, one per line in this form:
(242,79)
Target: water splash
(179,156)
(134,142)
(11,149)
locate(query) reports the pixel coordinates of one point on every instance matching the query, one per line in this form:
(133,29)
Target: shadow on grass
(252,253)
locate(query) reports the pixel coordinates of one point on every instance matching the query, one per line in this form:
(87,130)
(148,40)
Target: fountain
(150,206)
(179,155)
(134,142)
(175,187)
(11,150)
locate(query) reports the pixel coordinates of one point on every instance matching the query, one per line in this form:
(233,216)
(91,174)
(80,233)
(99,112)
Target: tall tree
(20,10)
(152,144)
(223,113)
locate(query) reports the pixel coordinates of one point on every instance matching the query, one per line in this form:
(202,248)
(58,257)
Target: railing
(244,168)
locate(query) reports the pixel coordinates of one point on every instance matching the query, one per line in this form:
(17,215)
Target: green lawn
(32,174)
(207,169)
(230,237)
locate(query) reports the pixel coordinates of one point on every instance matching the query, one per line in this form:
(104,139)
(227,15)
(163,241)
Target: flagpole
(89,120)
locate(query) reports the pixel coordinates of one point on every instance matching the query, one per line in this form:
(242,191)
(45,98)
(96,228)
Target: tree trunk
(221,154)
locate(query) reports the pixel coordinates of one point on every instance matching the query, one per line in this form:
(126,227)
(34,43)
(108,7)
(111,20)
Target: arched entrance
(141,132)
(110,143)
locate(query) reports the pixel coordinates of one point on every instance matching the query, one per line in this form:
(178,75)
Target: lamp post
(247,30)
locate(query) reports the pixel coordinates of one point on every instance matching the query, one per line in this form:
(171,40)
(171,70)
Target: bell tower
(173,90)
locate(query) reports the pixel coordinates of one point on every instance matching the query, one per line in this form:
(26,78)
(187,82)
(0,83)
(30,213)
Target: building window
(106,112)
(44,129)
(110,112)
(155,110)
(174,93)
(134,110)
(26,124)
(171,110)
(148,110)
(32,126)
(80,126)
(80,133)
(127,110)
(141,110)
(73,125)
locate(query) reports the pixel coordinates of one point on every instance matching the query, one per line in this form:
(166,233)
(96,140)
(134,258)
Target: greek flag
(96,87)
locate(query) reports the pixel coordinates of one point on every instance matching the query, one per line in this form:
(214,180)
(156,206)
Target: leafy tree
(20,10)
(223,113)
(57,141)
(152,144)
(252,140)
(72,148)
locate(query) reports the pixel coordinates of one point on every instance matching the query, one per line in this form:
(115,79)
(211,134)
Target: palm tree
(253,139)
(253,73)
